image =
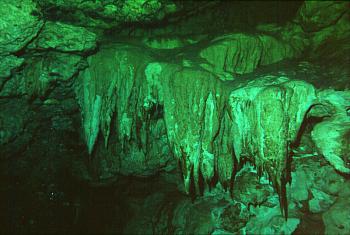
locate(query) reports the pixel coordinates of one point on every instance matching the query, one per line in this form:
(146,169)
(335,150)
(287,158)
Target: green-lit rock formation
(155,109)
(167,117)
(18,27)
(106,14)
(240,54)
(331,136)
(64,38)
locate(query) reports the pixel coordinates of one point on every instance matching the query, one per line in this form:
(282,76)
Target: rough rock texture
(314,16)
(240,53)
(132,99)
(266,117)
(327,25)
(42,73)
(106,14)
(18,27)
(8,64)
(167,211)
(116,93)
(228,126)
(332,135)
(337,218)
(65,38)
(18,24)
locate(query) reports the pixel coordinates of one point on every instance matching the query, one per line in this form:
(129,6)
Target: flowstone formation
(243,53)
(140,115)
(129,109)
(267,117)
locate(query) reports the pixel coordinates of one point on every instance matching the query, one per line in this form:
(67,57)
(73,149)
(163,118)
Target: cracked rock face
(19,26)
(106,14)
(65,38)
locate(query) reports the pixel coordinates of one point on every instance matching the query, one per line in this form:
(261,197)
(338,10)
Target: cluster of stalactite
(211,127)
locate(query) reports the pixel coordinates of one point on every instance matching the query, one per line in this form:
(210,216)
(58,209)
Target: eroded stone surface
(240,53)
(18,25)
(332,135)
(109,13)
(42,73)
(209,130)
(167,100)
(314,16)
(65,38)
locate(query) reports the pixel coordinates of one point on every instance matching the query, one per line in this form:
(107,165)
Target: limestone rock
(331,136)
(109,13)
(337,219)
(330,48)
(7,65)
(269,221)
(242,53)
(209,127)
(316,15)
(65,38)
(337,31)
(267,115)
(193,122)
(320,202)
(18,25)
(118,93)
(13,128)
(327,24)
(312,174)
(250,189)
(41,73)
(234,217)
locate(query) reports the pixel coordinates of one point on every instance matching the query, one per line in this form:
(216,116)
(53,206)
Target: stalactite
(212,130)
(266,117)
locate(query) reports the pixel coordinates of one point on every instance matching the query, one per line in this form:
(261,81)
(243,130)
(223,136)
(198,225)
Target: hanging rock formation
(267,116)
(222,108)
(141,112)
(116,92)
